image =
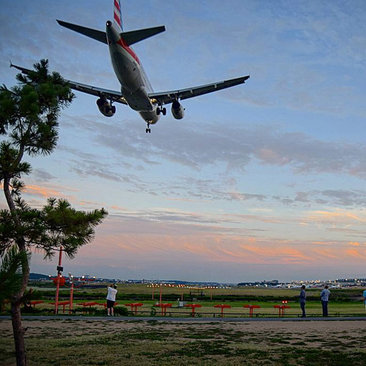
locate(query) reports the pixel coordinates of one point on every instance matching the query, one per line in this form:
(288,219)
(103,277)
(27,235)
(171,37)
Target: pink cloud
(40,191)
(340,216)
(139,245)
(354,243)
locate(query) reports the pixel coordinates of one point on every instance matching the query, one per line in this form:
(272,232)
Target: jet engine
(106,108)
(177,110)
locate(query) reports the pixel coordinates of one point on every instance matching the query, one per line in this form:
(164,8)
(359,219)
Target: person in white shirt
(324,297)
(111,299)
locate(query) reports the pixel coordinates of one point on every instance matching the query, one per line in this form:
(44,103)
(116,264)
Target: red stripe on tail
(117,13)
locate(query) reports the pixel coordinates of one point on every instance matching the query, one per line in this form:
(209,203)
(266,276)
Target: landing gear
(148,129)
(161,110)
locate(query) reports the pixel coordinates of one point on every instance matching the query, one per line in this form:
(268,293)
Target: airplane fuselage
(135,85)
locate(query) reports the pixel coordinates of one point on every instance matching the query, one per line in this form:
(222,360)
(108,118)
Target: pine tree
(29,123)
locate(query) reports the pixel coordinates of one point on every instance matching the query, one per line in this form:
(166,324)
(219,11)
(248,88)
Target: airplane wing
(169,96)
(112,95)
(115,96)
(159,98)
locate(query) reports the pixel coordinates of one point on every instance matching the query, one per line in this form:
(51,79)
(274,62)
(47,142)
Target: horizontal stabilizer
(92,33)
(135,36)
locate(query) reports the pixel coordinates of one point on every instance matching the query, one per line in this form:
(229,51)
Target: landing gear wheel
(161,110)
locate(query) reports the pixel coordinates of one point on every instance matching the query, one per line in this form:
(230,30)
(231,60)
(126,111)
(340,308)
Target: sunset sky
(261,181)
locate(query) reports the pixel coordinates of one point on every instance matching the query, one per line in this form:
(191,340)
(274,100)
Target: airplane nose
(109,23)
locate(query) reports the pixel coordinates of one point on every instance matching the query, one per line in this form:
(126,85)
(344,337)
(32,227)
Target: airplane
(136,90)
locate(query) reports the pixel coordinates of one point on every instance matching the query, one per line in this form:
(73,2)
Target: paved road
(179,320)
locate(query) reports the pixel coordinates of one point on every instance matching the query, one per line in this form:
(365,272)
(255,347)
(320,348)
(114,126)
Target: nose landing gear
(148,129)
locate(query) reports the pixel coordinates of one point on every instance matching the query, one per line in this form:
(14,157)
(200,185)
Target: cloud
(354,243)
(325,253)
(43,175)
(340,216)
(328,197)
(182,241)
(357,254)
(41,191)
(37,194)
(344,197)
(86,168)
(233,148)
(133,246)
(341,223)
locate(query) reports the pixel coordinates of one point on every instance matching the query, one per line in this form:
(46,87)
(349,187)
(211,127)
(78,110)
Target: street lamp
(71,278)
(59,274)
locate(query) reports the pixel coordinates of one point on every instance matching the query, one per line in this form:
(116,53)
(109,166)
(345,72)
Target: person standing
(111,299)
(324,297)
(364,298)
(303,300)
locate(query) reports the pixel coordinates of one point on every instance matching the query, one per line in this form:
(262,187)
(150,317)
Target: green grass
(70,342)
(136,290)
(313,308)
(94,343)
(342,302)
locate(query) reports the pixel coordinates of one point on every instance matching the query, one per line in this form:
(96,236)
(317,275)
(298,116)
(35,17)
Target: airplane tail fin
(117,16)
(135,36)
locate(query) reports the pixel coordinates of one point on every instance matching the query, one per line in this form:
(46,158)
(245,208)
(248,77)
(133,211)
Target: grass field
(207,309)
(98,342)
(141,291)
(86,342)
(346,302)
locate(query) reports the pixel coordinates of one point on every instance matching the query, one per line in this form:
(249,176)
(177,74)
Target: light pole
(71,277)
(59,273)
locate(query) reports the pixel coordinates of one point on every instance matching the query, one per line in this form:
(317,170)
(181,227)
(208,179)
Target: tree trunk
(16,318)
(9,198)
(18,331)
(16,301)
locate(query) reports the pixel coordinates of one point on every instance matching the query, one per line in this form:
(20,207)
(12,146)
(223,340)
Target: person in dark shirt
(303,300)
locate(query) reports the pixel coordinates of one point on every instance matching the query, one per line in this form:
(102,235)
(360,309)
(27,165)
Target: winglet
(22,69)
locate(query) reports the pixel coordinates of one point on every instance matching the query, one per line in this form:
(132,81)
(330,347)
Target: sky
(264,180)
